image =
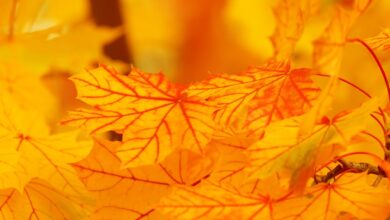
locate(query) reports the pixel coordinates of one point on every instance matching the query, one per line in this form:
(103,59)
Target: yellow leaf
(39,153)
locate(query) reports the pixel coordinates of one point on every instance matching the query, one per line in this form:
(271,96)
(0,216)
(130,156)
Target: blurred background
(188,39)
(43,42)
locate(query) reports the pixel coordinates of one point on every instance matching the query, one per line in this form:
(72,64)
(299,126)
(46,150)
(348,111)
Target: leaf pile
(271,142)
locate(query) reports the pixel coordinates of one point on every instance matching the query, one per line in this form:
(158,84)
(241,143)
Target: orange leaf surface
(102,175)
(154,115)
(264,143)
(265,94)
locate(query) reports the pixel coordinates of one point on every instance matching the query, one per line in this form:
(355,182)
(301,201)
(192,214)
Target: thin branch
(352,167)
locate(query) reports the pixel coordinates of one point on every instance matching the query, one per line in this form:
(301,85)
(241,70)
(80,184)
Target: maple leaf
(154,115)
(132,193)
(380,41)
(348,193)
(267,93)
(242,146)
(39,153)
(274,152)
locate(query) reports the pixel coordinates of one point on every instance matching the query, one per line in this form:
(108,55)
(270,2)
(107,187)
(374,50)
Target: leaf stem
(379,64)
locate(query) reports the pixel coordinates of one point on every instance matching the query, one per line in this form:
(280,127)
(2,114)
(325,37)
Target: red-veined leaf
(263,94)
(38,153)
(154,115)
(102,175)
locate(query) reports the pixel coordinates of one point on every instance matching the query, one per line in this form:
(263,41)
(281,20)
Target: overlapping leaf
(263,94)
(281,149)
(154,115)
(185,153)
(101,173)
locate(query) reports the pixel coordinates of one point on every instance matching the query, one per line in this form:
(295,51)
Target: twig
(352,167)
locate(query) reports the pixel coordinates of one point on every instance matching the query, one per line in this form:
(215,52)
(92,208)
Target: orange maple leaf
(155,116)
(102,175)
(260,95)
